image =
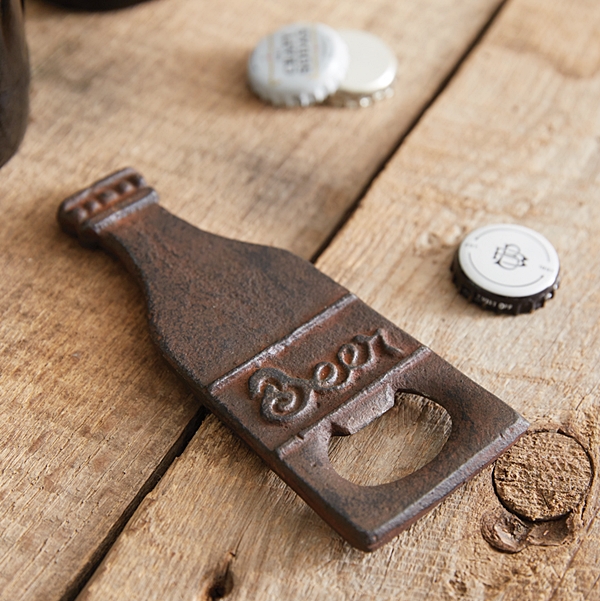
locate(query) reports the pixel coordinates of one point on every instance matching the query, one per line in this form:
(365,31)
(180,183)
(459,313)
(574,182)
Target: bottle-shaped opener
(287,358)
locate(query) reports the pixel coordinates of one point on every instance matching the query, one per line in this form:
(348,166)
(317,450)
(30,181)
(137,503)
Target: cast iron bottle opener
(287,358)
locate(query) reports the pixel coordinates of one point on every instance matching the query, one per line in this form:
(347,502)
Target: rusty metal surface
(287,358)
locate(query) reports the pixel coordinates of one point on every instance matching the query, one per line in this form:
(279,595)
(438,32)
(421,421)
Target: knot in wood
(544,476)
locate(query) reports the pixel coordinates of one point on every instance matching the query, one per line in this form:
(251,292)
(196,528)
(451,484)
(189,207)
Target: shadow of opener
(288,358)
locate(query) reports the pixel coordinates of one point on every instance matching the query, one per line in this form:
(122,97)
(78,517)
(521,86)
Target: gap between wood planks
(194,425)
(354,206)
(175,451)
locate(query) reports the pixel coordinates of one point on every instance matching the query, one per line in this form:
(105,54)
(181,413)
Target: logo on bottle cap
(506,267)
(299,64)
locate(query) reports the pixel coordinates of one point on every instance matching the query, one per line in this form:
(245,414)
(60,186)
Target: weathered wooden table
(114,484)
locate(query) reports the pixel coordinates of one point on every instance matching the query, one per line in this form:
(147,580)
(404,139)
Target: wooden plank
(513,139)
(89,410)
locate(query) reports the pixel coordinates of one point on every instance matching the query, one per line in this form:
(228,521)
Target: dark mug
(94,5)
(14,78)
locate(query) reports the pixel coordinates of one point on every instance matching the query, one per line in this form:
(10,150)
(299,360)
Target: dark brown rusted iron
(287,358)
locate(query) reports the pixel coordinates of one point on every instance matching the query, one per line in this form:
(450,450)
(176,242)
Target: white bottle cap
(506,267)
(371,73)
(299,64)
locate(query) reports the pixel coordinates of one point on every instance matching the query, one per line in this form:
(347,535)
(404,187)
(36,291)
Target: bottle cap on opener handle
(506,268)
(371,73)
(299,64)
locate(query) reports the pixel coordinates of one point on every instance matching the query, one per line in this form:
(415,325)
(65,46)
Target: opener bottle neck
(232,299)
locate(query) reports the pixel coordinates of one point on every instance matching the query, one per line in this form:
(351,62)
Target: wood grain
(89,413)
(513,139)
(545,476)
